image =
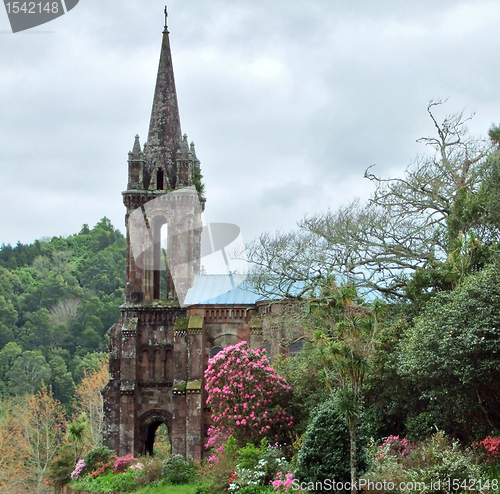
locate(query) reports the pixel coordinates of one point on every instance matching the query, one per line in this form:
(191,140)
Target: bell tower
(155,349)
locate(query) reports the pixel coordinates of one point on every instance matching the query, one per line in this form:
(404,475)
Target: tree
(13,452)
(28,373)
(42,422)
(450,356)
(346,345)
(89,400)
(77,434)
(325,448)
(410,223)
(246,397)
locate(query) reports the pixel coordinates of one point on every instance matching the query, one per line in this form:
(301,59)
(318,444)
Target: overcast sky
(287,101)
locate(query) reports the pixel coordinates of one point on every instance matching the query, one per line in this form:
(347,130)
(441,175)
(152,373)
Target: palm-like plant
(346,345)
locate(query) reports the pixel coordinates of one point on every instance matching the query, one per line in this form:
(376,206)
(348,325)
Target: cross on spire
(166,15)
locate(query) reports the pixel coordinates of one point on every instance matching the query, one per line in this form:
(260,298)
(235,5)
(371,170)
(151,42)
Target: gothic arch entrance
(148,425)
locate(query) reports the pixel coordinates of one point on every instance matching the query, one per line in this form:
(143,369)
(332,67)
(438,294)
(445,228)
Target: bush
(247,397)
(152,471)
(60,468)
(256,489)
(325,449)
(122,482)
(176,470)
(217,470)
(437,458)
(97,458)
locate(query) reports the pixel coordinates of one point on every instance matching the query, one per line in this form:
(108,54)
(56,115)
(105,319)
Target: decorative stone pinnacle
(137,146)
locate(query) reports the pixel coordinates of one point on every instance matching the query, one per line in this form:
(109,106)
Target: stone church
(168,331)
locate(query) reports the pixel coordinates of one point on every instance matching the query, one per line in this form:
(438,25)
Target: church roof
(221,289)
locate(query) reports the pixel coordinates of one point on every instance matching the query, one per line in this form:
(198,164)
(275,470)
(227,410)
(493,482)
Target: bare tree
(407,223)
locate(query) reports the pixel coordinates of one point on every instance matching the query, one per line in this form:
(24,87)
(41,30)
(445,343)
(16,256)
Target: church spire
(165,126)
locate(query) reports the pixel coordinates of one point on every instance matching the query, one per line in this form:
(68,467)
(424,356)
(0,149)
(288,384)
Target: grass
(167,489)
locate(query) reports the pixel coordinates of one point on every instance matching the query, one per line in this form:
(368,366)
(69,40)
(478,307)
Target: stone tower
(156,360)
(174,318)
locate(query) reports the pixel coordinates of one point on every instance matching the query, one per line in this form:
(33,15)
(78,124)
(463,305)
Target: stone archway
(148,423)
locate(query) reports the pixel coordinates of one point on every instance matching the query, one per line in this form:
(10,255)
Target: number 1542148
(32,7)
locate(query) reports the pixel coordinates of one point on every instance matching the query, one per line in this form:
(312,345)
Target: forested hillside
(58,298)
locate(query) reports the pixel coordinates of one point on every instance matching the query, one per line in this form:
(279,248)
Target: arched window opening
(215,350)
(160,275)
(159,179)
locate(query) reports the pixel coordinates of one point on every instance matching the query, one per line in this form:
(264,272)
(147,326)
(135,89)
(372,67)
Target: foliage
(89,400)
(437,458)
(61,468)
(410,223)
(218,468)
(98,457)
(246,396)
(77,434)
(152,471)
(325,448)
(58,297)
(450,356)
(256,489)
(123,462)
(176,470)
(489,448)
(257,466)
(303,373)
(13,451)
(123,482)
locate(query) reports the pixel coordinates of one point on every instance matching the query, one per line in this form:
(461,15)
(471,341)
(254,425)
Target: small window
(215,350)
(296,347)
(159,179)
(267,348)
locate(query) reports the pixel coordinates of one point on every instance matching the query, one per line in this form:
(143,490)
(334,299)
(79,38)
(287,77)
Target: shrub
(489,449)
(437,458)
(151,471)
(176,470)
(324,453)
(218,468)
(79,469)
(61,467)
(246,396)
(283,482)
(111,482)
(123,462)
(256,489)
(98,457)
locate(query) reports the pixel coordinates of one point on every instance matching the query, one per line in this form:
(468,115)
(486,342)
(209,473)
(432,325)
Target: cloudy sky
(287,101)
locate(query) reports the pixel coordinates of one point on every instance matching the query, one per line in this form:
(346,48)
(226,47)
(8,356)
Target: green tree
(28,372)
(450,356)
(62,382)
(325,448)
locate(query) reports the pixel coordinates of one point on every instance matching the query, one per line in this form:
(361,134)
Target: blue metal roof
(221,289)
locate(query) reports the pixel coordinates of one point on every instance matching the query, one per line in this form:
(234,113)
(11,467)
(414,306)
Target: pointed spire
(196,161)
(135,166)
(136,150)
(165,125)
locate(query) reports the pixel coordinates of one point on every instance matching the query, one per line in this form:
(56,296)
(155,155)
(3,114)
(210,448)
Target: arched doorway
(157,439)
(151,425)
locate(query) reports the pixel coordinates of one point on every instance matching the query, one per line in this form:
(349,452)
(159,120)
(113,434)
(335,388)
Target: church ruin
(160,347)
